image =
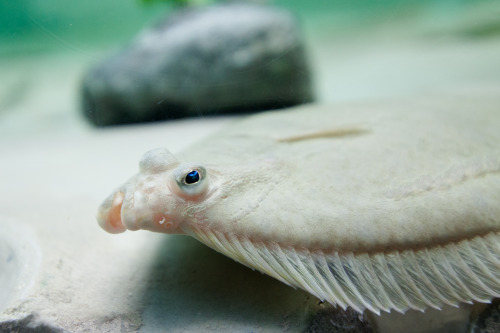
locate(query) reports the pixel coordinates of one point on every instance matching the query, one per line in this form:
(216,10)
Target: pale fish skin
(396,208)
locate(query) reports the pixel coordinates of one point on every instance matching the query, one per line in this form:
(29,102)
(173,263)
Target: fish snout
(132,210)
(117,213)
(109,214)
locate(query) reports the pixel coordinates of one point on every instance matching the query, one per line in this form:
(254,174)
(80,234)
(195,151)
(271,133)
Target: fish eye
(192,177)
(189,181)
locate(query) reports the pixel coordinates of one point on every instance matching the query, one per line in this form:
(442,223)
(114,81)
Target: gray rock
(20,258)
(218,59)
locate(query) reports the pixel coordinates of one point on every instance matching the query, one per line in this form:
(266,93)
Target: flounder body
(392,209)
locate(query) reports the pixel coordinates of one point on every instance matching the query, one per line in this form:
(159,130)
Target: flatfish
(380,207)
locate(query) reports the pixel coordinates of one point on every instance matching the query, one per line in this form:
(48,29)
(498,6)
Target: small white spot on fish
(162,221)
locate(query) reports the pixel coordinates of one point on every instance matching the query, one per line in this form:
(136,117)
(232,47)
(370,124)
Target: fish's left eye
(192,177)
(189,181)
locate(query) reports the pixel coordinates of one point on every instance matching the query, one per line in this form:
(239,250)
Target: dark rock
(29,324)
(218,59)
(335,320)
(488,320)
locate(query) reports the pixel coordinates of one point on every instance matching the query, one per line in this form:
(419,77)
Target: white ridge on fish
(390,210)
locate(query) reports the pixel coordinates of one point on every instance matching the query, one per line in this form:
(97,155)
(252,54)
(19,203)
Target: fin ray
(400,280)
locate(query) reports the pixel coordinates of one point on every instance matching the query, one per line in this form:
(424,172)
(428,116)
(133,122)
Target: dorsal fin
(465,271)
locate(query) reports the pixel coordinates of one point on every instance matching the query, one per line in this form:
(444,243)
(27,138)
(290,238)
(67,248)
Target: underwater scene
(289,166)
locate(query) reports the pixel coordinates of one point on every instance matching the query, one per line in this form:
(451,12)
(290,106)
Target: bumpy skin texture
(325,187)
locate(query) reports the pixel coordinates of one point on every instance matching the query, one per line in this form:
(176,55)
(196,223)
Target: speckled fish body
(393,208)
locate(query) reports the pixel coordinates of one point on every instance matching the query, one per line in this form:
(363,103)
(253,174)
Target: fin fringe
(460,272)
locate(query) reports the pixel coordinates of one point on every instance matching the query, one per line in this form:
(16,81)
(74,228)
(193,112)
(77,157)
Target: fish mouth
(117,214)
(109,215)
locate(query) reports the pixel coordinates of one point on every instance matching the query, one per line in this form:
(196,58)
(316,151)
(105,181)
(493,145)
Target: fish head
(160,198)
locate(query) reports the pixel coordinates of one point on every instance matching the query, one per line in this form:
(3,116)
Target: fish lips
(109,214)
(117,214)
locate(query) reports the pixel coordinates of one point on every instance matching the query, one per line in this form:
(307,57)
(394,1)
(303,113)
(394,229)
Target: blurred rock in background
(202,61)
